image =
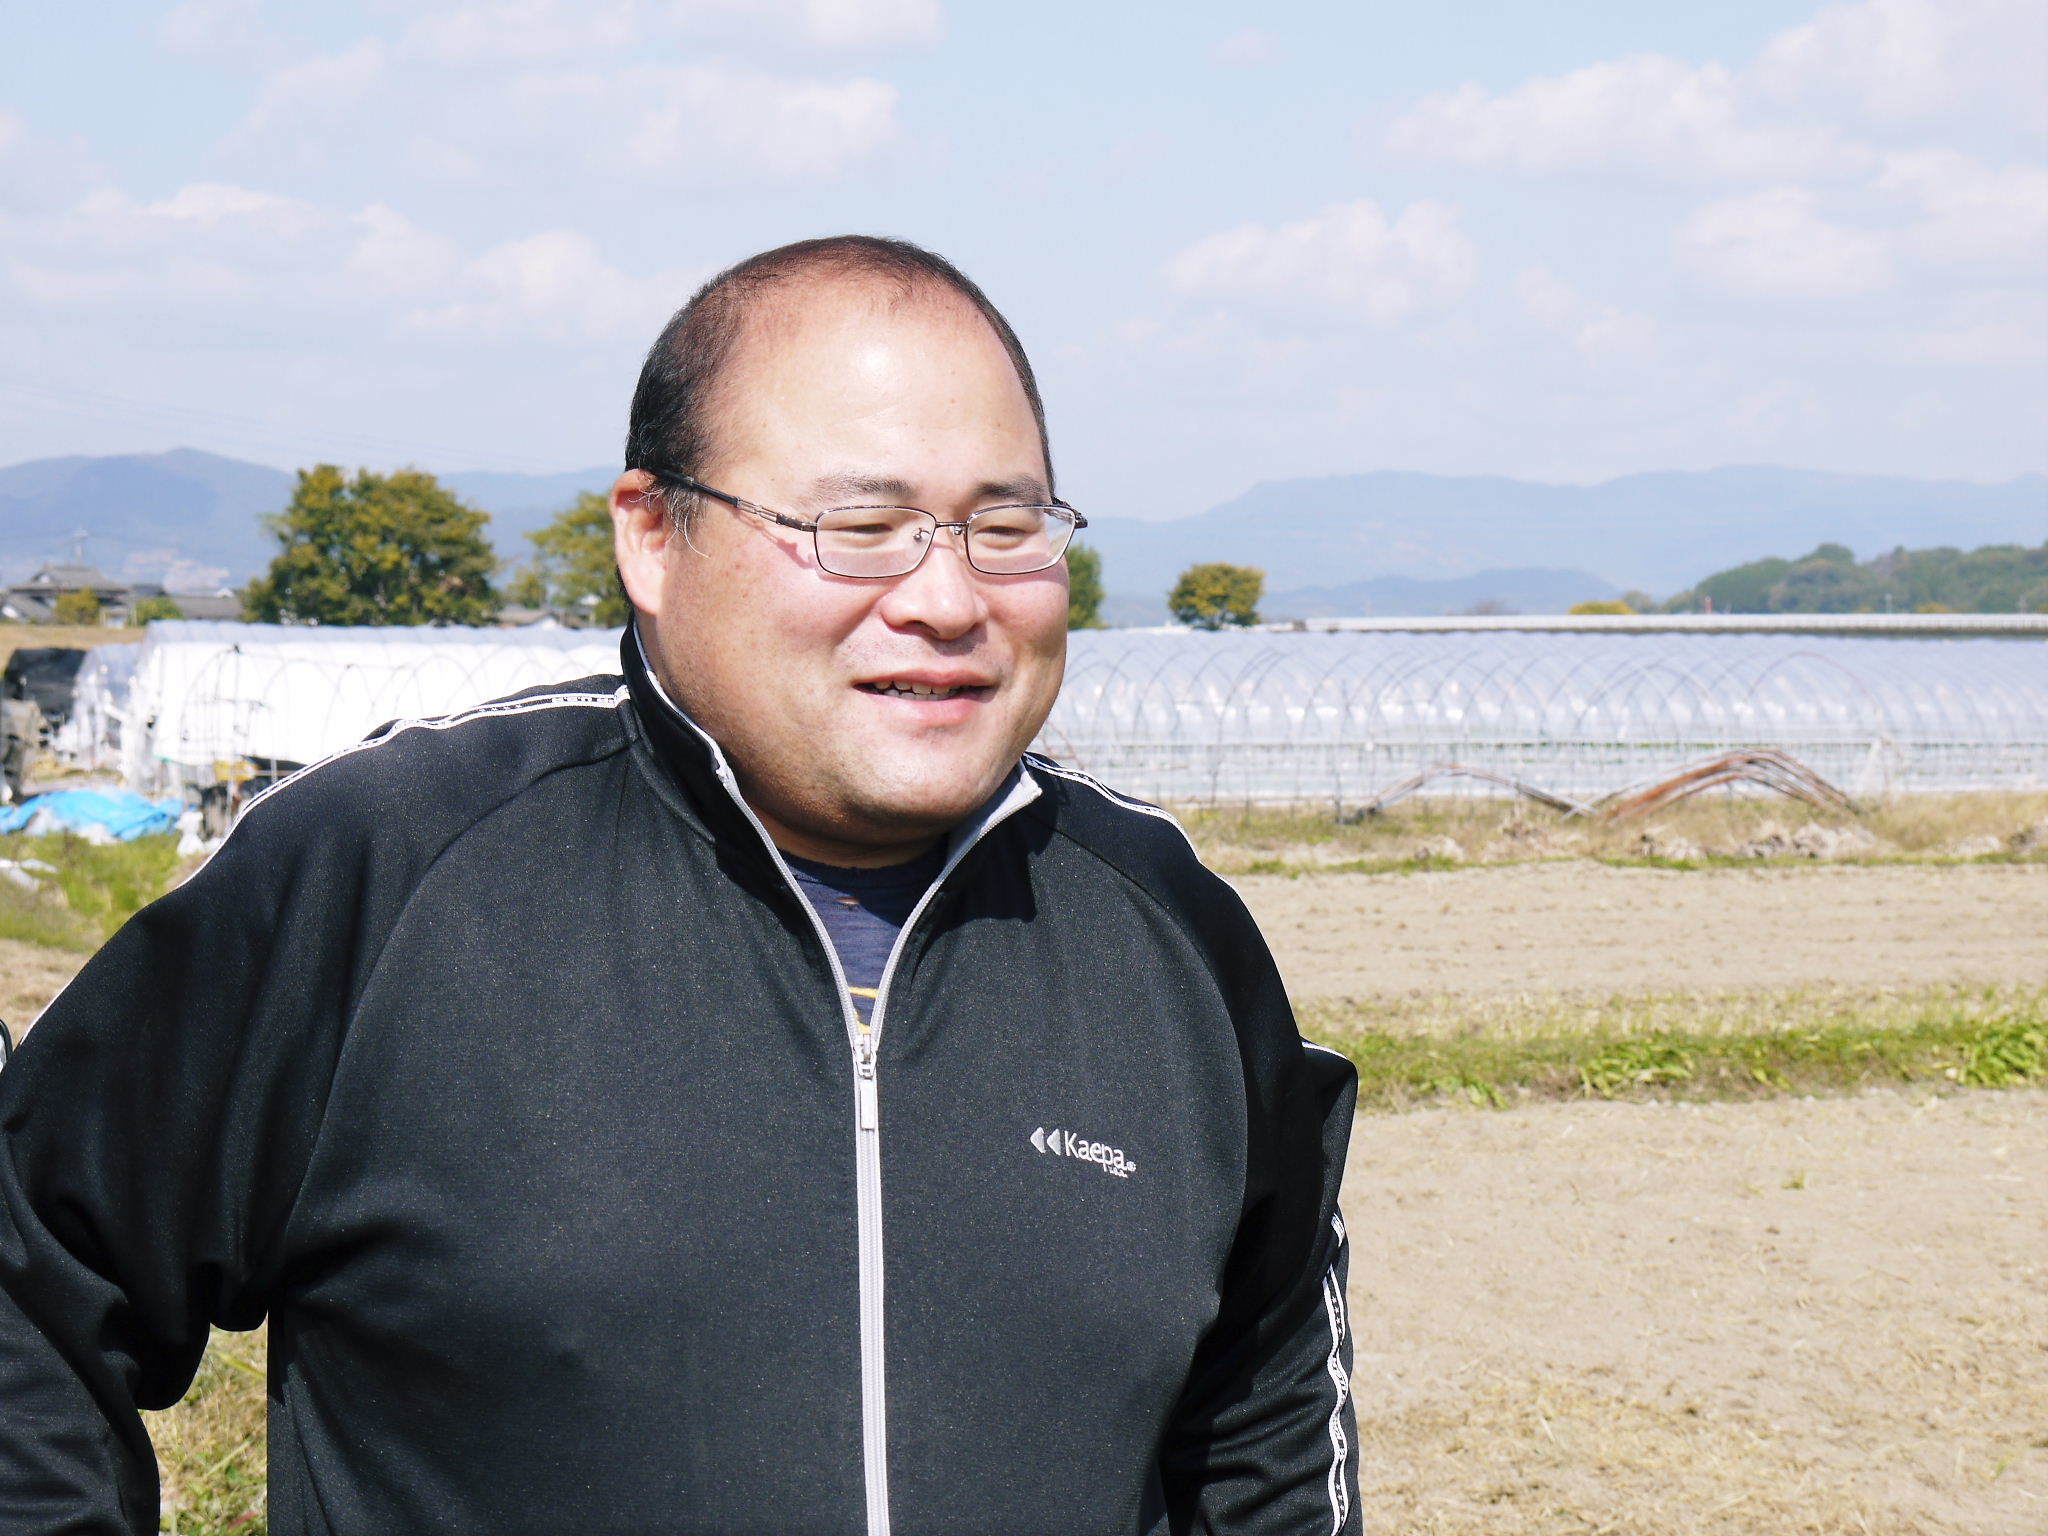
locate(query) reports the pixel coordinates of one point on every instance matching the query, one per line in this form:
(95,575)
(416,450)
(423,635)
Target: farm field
(1575,927)
(1652,1301)
(1827,1318)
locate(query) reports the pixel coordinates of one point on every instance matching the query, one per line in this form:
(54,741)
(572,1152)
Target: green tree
(1998,578)
(1614,608)
(572,564)
(151,609)
(76,608)
(375,549)
(1084,587)
(1213,595)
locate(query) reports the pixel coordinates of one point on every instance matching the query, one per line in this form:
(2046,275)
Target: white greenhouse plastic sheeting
(206,694)
(1188,717)
(1220,718)
(92,737)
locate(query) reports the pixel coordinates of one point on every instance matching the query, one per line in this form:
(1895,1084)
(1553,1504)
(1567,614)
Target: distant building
(34,601)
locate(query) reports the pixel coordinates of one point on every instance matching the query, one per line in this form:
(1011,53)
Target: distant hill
(146,515)
(149,515)
(1658,532)
(1335,542)
(2000,578)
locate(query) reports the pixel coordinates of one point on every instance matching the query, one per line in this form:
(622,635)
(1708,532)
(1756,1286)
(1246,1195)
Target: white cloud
(825,24)
(644,125)
(38,173)
(1987,328)
(327,93)
(1596,330)
(1349,259)
(1252,48)
(519,30)
(1805,106)
(213,248)
(556,284)
(231,31)
(693,122)
(1776,417)
(1900,60)
(868,23)
(392,255)
(1647,112)
(1972,214)
(1774,244)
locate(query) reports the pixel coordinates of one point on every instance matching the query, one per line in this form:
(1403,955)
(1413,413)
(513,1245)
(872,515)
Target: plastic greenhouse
(1330,717)
(1340,717)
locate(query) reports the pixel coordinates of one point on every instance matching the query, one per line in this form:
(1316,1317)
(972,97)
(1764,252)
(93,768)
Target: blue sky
(1560,242)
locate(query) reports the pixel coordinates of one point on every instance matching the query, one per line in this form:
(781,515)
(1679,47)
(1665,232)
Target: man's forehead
(860,487)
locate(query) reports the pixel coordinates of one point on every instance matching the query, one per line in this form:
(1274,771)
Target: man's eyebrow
(846,487)
(1025,488)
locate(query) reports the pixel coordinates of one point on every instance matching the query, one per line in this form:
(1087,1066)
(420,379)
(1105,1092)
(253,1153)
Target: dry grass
(16,637)
(210,1449)
(1431,833)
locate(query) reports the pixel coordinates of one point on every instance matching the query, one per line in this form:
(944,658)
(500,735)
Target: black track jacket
(498,1062)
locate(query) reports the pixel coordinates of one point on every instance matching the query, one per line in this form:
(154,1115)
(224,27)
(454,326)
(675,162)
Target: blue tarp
(122,812)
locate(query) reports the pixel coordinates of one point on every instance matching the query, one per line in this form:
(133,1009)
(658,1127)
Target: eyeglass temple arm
(690,483)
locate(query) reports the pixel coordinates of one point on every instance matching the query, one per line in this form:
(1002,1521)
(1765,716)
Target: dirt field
(1580,927)
(1705,1320)
(1785,1318)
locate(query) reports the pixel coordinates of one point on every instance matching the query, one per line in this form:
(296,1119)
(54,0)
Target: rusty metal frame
(1409,786)
(1765,767)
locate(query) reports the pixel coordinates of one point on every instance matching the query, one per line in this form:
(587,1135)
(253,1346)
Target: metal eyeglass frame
(691,483)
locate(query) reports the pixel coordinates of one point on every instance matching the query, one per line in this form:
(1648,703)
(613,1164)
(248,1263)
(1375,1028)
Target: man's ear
(641,535)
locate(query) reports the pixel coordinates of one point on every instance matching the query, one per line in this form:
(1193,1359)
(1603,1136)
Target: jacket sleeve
(153,1129)
(1264,1440)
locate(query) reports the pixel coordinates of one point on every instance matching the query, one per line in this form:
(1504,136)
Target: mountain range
(1657,532)
(1387,542)
(196,517)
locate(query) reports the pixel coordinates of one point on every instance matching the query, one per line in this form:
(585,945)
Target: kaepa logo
(1066,1144)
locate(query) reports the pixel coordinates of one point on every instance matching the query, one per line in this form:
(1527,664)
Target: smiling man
(749,1094)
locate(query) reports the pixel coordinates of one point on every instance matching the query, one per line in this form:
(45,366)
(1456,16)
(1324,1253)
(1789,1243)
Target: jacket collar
(684,750)
(700,770)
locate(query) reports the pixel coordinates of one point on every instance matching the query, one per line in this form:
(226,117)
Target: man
(751,1095)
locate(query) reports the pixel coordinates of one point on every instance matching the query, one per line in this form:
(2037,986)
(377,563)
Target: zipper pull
(864,1087)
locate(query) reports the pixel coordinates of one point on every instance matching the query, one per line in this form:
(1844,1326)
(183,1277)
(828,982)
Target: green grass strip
(1989,1038)
(94,891)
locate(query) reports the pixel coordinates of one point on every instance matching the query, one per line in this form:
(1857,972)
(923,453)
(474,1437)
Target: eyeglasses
(875,543)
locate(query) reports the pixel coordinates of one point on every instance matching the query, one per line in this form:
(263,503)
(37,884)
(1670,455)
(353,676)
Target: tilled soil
(1580,927)
(1704,1320)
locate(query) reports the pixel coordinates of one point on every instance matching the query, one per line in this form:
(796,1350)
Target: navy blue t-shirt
(863,911)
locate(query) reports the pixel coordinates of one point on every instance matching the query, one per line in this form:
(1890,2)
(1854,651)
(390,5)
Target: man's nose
(942,595)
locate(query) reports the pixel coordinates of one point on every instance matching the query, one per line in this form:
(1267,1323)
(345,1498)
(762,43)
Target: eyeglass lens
(890,541)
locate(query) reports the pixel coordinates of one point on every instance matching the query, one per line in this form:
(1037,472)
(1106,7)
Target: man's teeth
(915,690)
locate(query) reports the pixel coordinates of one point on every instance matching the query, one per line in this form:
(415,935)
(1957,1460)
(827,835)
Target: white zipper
(867,1121)
(867,1114)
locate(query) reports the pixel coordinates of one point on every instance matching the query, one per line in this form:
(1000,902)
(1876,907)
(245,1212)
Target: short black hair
(669,431)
